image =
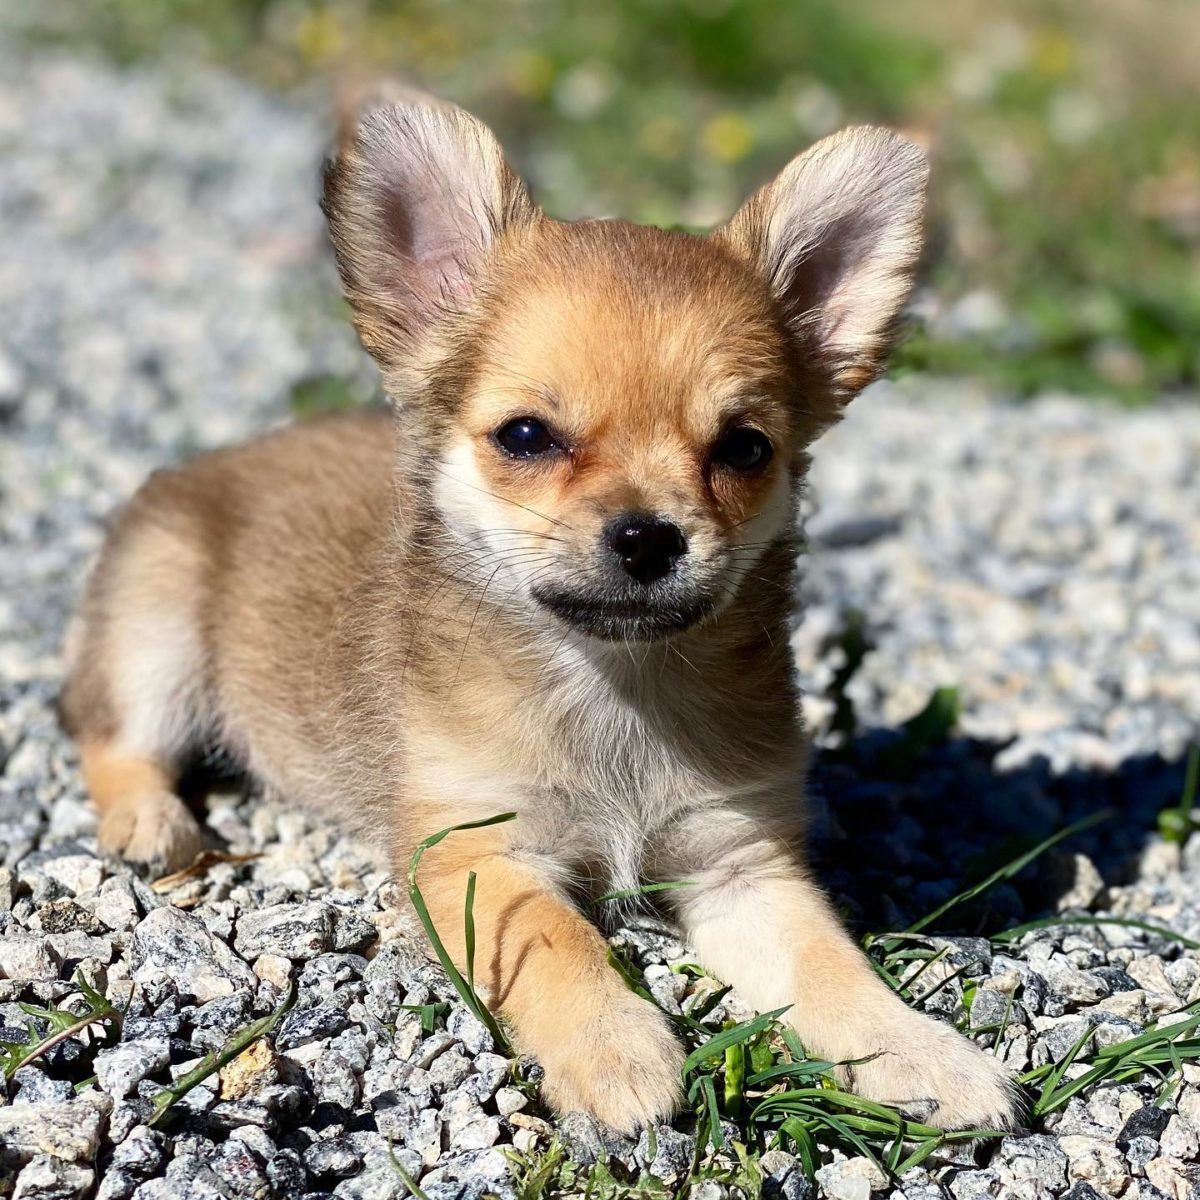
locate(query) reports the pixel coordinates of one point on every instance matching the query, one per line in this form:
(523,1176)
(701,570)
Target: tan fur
(356,609)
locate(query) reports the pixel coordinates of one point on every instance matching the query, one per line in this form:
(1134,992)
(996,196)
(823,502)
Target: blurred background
(1066,231)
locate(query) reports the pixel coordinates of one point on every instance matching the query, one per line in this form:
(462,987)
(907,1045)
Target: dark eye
(743,449)
(525,437)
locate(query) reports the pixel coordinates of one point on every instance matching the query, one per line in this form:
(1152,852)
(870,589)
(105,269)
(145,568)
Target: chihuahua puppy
(555,581)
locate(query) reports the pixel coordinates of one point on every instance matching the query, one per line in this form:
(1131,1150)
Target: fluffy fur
(387,617)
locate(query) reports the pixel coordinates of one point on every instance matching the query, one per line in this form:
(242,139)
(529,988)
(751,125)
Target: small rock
(239,1169)
(67,916)
(75,872)
(335,1081)
(24,956)
(1083,885)
(991,1007)
(1037,1157)
(335,1158)
(673,1154)
(169,943)
(1179,1140)
(851,1179)
(120,1069)
(249,1072)
(448,1070)
(295,931)
(509,1100)
(580,1138)
(975,1185)
(141,1153)
(304,1025)
(1083,1191)
(48,1178)
(424,1136)
(467,1125)
(470,1031)
(1139,1151)
(352,932)
(115,906)
(1096,1161)
(1149,1122)
(1175,1179)
(68,1131)
(286,1174)
(34,1086)
(274,968)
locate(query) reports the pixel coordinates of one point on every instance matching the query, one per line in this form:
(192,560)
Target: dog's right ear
(416,198)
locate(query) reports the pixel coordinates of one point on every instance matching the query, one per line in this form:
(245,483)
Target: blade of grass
(1060,1069)
(1011,869)
(469,930)
(1019,931)
(1012,996)
(1176,823)
(703,1007)
(642,889)
(849,1136)
(717,1045)
(810,1069)
(169,1096)
(429,1013)
(1118,1062)
(805,1143)
(465,991)
(735,1078)
(906,985)
(414,1188)
(709,1114)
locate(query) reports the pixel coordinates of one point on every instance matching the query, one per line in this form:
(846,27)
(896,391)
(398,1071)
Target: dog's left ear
(837,236)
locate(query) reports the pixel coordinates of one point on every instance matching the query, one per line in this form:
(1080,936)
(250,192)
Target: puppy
(556,581)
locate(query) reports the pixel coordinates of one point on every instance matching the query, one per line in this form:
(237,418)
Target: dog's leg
(141,817)
(605,1051)
(134,695)
(760,925)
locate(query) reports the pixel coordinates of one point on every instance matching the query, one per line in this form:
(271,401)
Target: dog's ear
(416,197)
(837,236)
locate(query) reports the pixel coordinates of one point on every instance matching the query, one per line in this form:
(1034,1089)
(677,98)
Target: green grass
(755,1077)
(1064,136)
(1177,823)
(59,1024)
(750,1086)
(464,986)
(210,1064)
(47,1027)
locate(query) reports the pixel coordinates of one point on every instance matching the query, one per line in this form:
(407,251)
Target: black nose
(647,546)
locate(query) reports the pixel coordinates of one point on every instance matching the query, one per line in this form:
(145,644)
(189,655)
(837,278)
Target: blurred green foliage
(1066,137)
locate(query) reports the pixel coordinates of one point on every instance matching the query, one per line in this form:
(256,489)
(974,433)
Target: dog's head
(604,420)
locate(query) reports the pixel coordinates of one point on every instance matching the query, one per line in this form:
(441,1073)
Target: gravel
(164,287)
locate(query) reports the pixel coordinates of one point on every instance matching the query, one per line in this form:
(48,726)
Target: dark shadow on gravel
(894,836)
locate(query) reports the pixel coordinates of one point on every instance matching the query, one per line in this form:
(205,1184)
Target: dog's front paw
(936,1076)
(156,830)
(617,1060)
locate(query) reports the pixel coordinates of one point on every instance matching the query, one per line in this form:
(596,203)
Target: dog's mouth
(623,620)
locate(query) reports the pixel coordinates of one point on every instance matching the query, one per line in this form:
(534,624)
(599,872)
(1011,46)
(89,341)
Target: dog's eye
(525,437)
(743,449)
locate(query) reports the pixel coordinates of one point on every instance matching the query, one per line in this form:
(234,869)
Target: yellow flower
(727,137)
(319,36)
(1053,53)
(531,74)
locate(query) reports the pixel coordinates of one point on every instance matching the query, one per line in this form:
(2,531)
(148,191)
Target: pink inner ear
(430,238)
